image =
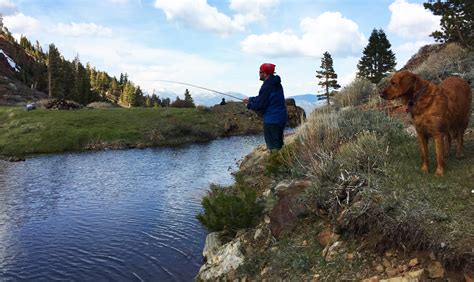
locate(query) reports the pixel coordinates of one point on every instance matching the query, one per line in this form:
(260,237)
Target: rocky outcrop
(296,114)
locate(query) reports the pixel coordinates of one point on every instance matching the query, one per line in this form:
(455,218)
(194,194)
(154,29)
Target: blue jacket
(270,102)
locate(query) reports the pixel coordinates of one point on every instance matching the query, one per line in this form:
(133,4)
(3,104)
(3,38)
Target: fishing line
(197,86)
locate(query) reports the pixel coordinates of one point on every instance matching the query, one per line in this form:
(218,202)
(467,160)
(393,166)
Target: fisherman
(271,103)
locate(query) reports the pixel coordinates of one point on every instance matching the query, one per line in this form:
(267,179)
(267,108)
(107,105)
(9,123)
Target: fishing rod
(197,86)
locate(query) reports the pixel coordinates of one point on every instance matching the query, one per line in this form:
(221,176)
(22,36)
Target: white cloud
(328,32)
(83,29)
(21,24)
(199,14)
(412,20)
(7,8)
(251,11)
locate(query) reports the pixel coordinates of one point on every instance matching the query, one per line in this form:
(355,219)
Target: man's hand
(246,101)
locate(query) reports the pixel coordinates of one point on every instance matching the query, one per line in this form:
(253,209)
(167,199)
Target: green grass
(52,131)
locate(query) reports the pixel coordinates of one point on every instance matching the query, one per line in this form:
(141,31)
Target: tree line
(51,73)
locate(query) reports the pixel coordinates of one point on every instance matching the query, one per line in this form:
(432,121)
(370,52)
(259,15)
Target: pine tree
(54,80)
(377,60)
(188,100)
(457,21)
(327,75)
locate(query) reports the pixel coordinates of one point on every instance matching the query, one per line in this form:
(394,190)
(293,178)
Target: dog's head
(400,84)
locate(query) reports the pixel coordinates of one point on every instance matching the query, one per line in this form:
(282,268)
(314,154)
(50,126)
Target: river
(124,215)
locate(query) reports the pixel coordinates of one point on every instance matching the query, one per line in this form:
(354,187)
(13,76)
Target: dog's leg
(447,144)
(423,140)
(459,143)
(439,145)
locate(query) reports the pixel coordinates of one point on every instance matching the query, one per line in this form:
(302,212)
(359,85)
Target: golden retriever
(441,112)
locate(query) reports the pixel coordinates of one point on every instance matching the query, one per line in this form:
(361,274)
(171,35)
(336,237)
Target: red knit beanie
(267,68)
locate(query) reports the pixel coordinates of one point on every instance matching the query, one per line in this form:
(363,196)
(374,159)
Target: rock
(282,186)
(289,207)
(350,256)
(327,237)
(391,272)
(267,193)
(258,234)
(386,263)
(402,268)
(379,268)
(330,252)
(417,274)
(411,130)
(254,162)
(266,219)
(213,243)
(228,258)
(371,279)
(413,262)
(436,270)
(266,271)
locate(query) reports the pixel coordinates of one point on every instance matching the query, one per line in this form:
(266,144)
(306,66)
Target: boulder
(212,245)
(227,259)
(289,206)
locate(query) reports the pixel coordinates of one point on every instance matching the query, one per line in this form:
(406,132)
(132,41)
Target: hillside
(12,90)
(345,199)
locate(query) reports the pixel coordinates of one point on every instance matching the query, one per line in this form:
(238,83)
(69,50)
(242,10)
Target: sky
(220,44)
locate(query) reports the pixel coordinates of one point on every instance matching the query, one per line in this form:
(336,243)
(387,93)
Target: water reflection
(110,215)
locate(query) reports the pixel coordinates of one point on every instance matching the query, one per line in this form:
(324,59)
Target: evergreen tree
(457,20)
(54,80)
(377,59)
(1,22)
(327,75)
(188,100)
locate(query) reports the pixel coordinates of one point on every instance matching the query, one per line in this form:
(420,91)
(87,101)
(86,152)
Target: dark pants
(273,134)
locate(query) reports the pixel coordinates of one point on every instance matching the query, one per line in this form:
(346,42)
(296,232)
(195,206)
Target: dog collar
(414,98)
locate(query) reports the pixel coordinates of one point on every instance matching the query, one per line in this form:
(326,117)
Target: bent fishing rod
(197,86)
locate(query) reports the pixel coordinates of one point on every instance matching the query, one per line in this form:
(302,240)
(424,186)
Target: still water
(111,215)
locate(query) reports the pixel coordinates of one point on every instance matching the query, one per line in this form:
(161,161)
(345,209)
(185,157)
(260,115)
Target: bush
(229,209)
(356,93)
(440,65)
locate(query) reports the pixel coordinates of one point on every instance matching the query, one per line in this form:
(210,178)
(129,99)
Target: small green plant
(229,208)
(281,162)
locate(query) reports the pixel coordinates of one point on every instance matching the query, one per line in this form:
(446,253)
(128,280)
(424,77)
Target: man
(271,103)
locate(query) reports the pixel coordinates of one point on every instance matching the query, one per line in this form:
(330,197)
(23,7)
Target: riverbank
(350,206)
(39,131)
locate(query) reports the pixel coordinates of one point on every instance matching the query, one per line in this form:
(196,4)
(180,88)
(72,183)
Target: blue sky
(220,44)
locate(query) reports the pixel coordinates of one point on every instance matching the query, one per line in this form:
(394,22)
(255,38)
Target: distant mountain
(308,102)
(203,98)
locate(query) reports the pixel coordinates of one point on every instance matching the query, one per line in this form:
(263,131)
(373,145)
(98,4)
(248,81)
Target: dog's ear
(408,82)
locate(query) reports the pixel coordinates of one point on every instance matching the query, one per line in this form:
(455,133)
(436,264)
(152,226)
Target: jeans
(273,134)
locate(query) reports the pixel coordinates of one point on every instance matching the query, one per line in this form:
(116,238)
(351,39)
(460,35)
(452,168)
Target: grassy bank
(368,186)
(52,131)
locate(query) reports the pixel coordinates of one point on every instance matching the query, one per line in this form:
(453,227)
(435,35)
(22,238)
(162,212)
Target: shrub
(229,209)
(356,93)
(353,121)
(442,64)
